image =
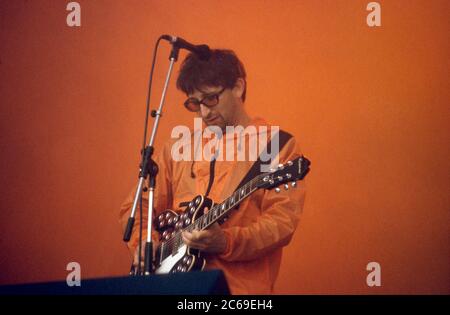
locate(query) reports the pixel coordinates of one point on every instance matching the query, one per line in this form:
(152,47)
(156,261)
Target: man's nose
(204,110)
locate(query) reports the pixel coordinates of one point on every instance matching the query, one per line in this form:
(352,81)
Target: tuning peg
(289,163)
(277,190)
(286,186)
(294,184)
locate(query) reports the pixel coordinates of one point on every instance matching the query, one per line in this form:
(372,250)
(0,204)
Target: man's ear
(239,88)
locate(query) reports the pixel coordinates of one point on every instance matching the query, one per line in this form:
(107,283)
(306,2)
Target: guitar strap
(212,165)
(256,167)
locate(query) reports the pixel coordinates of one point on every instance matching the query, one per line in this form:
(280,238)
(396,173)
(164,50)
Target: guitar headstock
(290,172)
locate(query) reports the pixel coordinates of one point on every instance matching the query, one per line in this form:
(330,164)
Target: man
(248,246)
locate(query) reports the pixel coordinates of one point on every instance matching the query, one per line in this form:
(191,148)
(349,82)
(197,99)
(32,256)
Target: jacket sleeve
(280,214)
(162,200)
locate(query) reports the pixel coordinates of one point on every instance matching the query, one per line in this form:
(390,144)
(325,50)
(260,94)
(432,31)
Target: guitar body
(168,223)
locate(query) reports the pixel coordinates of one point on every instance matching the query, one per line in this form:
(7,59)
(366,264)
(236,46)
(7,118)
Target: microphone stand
(149,168)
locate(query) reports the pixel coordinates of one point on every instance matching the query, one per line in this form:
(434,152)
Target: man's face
(223,113)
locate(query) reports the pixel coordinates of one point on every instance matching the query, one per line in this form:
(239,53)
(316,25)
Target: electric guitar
(172,255)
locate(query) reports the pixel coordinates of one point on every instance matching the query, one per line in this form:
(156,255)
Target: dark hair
(223,69)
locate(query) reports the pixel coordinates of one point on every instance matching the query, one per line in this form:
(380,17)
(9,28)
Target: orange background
(369,106)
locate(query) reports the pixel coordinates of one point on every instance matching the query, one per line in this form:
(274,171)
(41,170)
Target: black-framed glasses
(192,104)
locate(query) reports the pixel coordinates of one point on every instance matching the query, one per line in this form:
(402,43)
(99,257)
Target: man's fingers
(196,236)
(193,244)
(196,239)
(192,236)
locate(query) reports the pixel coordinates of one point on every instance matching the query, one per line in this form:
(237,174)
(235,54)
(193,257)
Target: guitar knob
(271,182)
(280,178)
(277,190)
(286,186)
(288,175)
(294,184)
(280,166)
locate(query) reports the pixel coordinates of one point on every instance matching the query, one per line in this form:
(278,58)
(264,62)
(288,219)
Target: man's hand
(212,240)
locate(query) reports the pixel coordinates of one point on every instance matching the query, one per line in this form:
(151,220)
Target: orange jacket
(256,232)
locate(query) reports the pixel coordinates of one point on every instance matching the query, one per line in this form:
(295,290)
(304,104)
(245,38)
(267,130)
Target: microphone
(202,51)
